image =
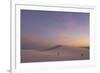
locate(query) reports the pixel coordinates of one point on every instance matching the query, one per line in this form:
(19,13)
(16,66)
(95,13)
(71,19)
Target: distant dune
(55,53)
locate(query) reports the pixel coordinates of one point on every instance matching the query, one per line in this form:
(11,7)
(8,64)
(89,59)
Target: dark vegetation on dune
(52,48)
(87,47)
(55,47)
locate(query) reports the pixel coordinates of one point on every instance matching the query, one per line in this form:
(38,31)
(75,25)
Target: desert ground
(54,54)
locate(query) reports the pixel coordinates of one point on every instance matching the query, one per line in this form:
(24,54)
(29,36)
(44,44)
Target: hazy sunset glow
(47,28)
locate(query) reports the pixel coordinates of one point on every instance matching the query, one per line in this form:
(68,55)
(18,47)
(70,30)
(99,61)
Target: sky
(42,29)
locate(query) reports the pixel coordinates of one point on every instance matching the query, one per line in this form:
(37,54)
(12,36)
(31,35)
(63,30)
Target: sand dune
(55,54)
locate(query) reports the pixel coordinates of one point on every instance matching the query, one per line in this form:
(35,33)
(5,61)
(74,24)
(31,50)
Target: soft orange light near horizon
(75,42)
(81,42)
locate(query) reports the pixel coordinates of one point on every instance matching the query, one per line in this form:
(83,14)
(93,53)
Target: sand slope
(56,54)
